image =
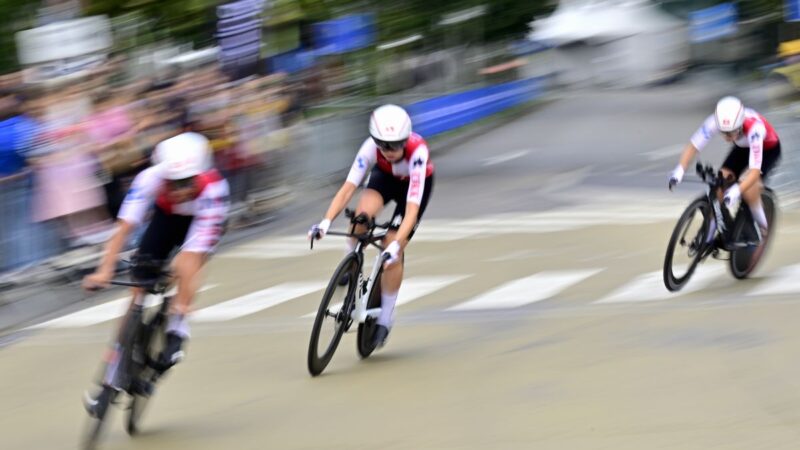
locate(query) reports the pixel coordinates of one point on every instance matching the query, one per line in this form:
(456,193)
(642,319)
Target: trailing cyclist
(189,202)
(402,172)
(755,147)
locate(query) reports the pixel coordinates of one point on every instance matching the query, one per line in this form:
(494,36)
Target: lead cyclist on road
(755,147)
(403,172)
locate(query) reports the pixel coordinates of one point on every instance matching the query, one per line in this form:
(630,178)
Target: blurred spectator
(17,133)
(112,133)
(67,186)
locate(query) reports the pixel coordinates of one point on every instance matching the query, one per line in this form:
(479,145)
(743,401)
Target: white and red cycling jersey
(415,166)
(757,134)
(209,209)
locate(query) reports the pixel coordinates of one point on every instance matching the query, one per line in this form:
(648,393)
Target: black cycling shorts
(164,234)
(739,159)
(393,188)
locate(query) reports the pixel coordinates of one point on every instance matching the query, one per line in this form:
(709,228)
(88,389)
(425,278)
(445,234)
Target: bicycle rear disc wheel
(744,231)
(333,316)
(686,245)
(366,330)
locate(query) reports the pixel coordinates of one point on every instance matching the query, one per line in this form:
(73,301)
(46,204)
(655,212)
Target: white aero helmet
(390,123)
(729,114)
(183,156)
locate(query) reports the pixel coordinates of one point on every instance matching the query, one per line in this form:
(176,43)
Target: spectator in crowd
(17,134)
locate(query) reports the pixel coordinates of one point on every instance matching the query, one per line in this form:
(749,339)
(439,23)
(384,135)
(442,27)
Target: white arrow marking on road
(256,301)
(538,287)
(650,286)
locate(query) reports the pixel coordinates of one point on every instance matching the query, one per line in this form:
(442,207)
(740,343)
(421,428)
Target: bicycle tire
(366,330)
(740,263)
(672,282)
(95,426)
(142,371)
(316,362)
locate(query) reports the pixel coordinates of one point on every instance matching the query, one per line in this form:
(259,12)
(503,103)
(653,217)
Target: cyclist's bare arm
(688,155)
(102,275)
(340,200)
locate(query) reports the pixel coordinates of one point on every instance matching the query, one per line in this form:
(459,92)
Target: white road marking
(105,312)
(414,288)
(784,281)
(504,157)
(650,286)
(538,287)
(256,301)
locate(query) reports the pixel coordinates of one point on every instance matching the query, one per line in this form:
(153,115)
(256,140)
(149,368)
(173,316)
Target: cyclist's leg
(393,275)
(753,196)
(154,245)
(733,166)
(377,193)
(186,267)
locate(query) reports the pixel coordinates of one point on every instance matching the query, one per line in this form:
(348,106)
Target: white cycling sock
(712,228)
(112,365)
(349,245)
(388,300)
(759,215)
(178,324)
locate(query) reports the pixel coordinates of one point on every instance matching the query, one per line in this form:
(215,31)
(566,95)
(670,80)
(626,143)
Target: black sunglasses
(393,146)
(181,184)
(733,134)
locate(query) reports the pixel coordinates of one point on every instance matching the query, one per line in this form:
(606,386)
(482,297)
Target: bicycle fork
(365,287)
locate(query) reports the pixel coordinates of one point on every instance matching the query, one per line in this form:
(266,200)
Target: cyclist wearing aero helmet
(189,203)
(756,147)
(402,172)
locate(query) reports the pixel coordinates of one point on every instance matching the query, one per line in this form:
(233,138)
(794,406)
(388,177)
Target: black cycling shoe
(379,336)
(141,387)
(172,353)
(97,405)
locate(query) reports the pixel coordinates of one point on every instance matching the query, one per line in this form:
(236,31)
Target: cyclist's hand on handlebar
(96,281)
(675,177)
(392,253)
(319,230)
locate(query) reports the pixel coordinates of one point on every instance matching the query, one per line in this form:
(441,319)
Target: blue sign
(447,112)
(791,10)
(344,34)
(292,61)
(713,23)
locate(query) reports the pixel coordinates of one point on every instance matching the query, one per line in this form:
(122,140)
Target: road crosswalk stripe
(256,301)
(534,288)
(414,288)
(650,286)
(784,281)
(103,313)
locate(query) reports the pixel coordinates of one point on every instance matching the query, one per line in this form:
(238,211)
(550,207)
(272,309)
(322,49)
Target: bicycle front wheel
(334,315)
(687,244)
